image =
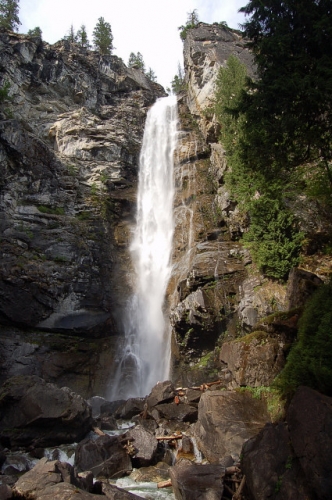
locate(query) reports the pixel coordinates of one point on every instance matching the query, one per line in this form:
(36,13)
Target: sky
(146,26)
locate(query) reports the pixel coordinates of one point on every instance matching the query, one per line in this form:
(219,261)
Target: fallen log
(169,438)
(98,431)
(237,494)
(164,484)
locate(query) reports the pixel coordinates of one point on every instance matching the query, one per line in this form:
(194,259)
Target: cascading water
(145,354)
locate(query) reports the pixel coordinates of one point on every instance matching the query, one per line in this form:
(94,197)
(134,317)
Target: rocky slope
(70,137)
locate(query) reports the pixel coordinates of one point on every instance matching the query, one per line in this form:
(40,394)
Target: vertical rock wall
(70,137)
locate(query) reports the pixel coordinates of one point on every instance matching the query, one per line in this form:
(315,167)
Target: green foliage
(102,37)
(48,210)
(136,61)
(273,237)
(9,14)
(289,106)
(82,37)
(151,75)
(192,22)
(310,362)
(178,82)
(35,32)
(4,92)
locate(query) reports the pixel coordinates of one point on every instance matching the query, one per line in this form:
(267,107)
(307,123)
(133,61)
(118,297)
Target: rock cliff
(70,137)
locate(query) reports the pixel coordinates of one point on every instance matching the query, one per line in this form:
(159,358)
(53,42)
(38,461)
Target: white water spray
(145,356)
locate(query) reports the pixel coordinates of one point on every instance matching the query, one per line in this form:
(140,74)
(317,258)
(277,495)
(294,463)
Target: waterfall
(145,354)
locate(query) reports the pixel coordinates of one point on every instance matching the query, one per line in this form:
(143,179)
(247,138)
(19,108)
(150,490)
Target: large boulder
(181,412)
(145,445)
(162,392)
(309,418)
(105,457)
(272,471)
(197,482)
(226,419)
(38,414)
(253,360)
(43,480)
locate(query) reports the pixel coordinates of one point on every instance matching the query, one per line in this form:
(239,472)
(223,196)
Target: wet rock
(145,445)
(181,412)
(113,493)
(109,407)
(105,457)
(253,360)
(43,476)
(148,423)
(162,392)
(193,482)
(226,419)
(36,413)
(107,424)
(16,464)
(309,418)
(155,473)
(132,407)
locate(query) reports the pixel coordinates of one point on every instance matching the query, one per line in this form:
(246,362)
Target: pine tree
(136,60)
(178,84)
(35,32)
(9,14)
(289,105)
(151,75)
(82,37)
(71,37)
(102,37)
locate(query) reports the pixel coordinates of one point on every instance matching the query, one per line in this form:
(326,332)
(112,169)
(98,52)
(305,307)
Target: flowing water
(145,354)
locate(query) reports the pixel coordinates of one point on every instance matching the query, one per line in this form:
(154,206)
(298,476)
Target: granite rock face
(70,137)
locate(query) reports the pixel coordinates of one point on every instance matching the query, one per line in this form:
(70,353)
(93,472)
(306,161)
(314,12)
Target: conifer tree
(9,14)
(82,37)
(102,37)
(71,37)
(151,75)
(35,32)
(136,60)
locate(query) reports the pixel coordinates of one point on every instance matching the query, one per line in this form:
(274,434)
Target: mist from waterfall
(144,358)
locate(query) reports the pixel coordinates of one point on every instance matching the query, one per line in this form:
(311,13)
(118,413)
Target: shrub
(310,362)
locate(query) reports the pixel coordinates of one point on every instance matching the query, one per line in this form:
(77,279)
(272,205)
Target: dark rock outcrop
(70,138)
(37,414)
(104,456)
(310,429)
(197,482)
(226,420)
(271,469)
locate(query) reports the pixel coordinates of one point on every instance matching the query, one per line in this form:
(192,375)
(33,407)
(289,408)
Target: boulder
(154,473)
(132,407)
(105,457)
(272,471)
(162,392)
(226,419)
(145,445)
(44,476)
(5,492)
(38,414)
(197,482)
(253,360)
(109,407)
(182,412)
(301,285)
(309,418)
(113,493)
